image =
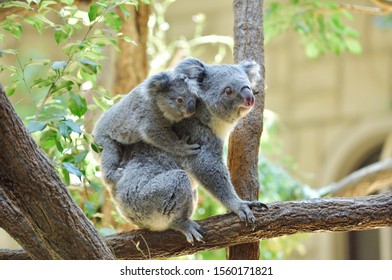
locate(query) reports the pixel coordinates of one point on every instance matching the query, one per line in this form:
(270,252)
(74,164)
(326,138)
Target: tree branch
(23,233)
(364,181)
(30,184)
(359,9)
(282,218)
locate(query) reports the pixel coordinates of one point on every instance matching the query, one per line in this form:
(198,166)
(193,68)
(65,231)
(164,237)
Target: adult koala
(158,189)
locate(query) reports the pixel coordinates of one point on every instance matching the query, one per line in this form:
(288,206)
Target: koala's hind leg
(165,201)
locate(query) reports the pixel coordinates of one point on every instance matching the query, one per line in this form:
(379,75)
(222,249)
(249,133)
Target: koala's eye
(180,100)
(228,91)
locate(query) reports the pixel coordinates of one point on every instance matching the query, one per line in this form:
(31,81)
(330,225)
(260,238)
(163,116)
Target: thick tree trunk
(131,62)
(282,218)
(23,233)
(31,188)
(245,139)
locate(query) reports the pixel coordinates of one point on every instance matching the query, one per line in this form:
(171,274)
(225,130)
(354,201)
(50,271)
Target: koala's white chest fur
(221,128)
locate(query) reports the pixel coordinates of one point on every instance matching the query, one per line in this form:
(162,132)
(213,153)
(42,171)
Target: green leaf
(72,169)
(80,157)
(8,51)
(15,28)
(89,66)
(66,177)
(41,82)
(95,11)
(353,46)
(77,105)
(44,4)
(125,11)
(48,139)
(43,19)
(58,65)
(103,40)
(35,126)
(73,126)
(72,48)
(62,85)
(89,208)
(36,23)
(64,130)
(59,146)
(87,77)
(10,89)
(112,20)
(59,36)
(66,127)
(102,103)
(129,40)
(16,4)
(96,148)
(62,33)
(67,2)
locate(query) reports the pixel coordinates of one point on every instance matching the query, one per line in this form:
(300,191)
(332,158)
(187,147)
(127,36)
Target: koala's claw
(192,231)
(257,205)
(193,149)
(245,214)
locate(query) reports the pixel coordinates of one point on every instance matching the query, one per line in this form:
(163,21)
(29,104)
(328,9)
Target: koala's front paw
(188,149)
(245,214)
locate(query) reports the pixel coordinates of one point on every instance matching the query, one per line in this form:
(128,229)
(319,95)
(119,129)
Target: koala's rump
(154,191)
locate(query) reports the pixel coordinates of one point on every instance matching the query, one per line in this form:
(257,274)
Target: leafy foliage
(65,90)
(320,24)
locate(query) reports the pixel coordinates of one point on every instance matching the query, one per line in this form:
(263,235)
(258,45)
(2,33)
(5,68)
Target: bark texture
(131,62)
(282,218)
(31,188)
(23,233)
(245,139)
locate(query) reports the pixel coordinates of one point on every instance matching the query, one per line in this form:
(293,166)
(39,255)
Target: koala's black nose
(191,106)
(248,96)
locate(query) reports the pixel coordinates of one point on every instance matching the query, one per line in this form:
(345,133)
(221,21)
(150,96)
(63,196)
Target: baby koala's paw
(188,149)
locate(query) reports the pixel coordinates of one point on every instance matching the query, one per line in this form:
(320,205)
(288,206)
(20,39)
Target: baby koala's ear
(192,68)
(158,83)
(252,69)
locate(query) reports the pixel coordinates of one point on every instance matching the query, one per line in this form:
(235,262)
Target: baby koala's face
(179,101)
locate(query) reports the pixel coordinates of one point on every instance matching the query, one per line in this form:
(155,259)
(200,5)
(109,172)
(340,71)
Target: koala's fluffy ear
(252,69)
(158,83)
(192,68)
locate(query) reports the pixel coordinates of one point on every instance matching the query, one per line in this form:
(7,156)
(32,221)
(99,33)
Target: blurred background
(328,109)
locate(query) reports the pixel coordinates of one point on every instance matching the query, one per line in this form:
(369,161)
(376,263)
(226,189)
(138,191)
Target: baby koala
(146,114)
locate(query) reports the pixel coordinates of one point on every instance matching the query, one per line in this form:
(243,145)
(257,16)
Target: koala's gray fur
(157,189)
(146,113)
